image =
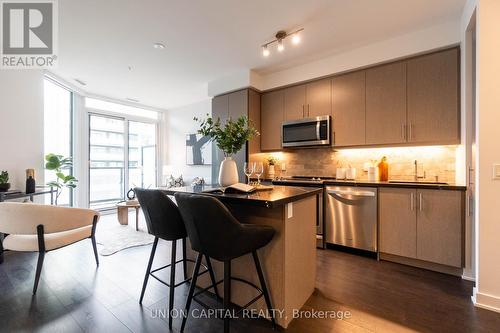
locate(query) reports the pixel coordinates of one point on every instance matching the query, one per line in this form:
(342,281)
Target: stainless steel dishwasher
(351,217)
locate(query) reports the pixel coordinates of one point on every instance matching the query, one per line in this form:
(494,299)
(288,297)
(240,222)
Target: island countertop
(279,195)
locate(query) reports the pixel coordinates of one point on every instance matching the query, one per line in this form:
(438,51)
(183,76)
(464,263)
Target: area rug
(120,237)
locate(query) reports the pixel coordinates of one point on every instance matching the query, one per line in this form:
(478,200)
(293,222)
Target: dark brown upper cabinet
(295,102)
(349,109)
(433,98)
(308,100)
(386,104)
(319,98)
(272,116)
(245,102)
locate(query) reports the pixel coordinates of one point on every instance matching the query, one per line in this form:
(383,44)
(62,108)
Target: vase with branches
(230,138)
(59,164)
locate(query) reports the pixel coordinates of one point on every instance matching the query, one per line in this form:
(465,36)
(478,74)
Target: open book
(239,188)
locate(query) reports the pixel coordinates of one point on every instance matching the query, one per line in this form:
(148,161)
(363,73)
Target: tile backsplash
(436,161)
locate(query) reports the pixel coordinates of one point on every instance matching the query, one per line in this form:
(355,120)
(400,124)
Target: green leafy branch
(58,163)
(229,137)
(4,177)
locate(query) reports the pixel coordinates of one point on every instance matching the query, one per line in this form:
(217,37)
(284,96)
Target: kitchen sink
(416,182)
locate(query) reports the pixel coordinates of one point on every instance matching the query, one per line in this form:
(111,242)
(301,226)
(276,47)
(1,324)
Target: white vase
(271,171)
(228,172)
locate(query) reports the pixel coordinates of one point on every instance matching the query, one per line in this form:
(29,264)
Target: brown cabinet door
(219,110)
(272,115)
(398,222)
(237,107)
(439,227)
(237,104)
(319,98)
(433,98)
(220,107)
(295,102)
(386,104)
(254,118)
(349,109)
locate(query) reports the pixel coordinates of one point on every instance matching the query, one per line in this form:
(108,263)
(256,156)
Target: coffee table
(122,210)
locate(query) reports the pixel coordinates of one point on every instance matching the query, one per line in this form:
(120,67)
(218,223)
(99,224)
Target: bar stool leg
(212,276)
(191,289)
(148,270)
(172,283)
(227,293)
(184,262)
(264,287)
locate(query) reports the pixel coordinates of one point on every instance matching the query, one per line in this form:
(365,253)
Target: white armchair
(43,228)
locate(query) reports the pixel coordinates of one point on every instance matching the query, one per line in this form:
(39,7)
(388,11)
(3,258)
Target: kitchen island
(289,261)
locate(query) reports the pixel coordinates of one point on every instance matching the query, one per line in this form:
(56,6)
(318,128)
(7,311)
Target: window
(58,114)
(141,154)
(107,157)
(97,104)
(122,154)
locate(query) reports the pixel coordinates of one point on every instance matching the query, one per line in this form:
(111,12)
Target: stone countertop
(403,184)
(278,196)
(394,183)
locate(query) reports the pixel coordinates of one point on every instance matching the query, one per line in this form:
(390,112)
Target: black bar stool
(165,222)
(216,233)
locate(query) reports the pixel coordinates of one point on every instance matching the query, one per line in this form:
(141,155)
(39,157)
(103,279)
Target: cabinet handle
(471,182)
(303,111)
(333,139)
(308,113)
(412,201)
(471,205)
(410,130)
(403,131)
(421,202)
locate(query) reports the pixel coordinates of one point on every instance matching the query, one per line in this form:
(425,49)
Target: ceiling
(108,44)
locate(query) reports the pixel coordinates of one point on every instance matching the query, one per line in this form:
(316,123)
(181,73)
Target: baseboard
(485,301)
(468,275)
(422,264)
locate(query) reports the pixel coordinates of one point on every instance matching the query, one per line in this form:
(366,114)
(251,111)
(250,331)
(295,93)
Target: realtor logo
(28,37)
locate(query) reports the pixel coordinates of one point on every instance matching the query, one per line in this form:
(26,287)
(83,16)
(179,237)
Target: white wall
(402,46)
(21,124)
(176,124)
(487,291)
(464,153)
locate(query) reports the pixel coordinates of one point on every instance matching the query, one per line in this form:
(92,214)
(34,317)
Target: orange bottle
(383,170)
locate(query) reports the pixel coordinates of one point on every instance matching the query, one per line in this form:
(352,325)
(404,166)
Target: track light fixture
(279,40)
(265,51)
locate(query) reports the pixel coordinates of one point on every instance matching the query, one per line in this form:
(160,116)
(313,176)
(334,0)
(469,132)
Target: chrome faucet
(416,176)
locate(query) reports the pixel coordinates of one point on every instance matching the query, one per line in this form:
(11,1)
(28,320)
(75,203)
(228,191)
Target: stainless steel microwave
(306,132)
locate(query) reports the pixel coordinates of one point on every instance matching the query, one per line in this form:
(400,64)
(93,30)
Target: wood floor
(75,296)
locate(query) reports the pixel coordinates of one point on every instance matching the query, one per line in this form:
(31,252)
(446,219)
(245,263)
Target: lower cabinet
(422,224)
(398,222)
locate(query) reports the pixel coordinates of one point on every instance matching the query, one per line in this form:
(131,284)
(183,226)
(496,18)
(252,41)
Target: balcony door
(121,152)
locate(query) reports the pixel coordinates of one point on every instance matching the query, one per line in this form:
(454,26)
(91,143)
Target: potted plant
(4,181)
(271,160)
(229,138)
(58,163)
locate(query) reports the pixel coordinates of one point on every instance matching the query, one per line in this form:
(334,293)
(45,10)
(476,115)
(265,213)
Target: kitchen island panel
(288,261)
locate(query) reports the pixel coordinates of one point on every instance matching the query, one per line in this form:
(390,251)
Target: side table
(122,210)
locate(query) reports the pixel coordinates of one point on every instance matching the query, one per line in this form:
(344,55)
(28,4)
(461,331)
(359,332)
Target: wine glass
(249,168)
(259,170)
